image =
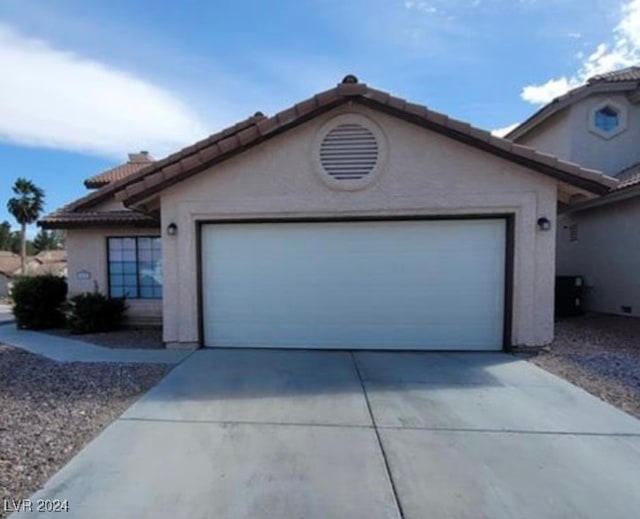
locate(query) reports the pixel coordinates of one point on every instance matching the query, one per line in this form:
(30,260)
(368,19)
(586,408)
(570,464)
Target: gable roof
(627,79)
(258,128)
(136,162)
(80,212)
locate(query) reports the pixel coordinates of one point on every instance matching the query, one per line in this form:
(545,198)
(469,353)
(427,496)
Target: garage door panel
(298,305)
(417,284)
(442,337)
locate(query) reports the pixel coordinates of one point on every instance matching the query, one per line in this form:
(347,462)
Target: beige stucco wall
(607,254)
(553,135)
(567,135)
(87,251)
(425,174)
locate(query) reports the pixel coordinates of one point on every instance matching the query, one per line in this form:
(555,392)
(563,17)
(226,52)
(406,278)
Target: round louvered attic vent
(348,151)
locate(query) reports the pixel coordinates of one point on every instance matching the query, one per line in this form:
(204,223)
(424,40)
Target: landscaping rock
(599,353)
(50,410)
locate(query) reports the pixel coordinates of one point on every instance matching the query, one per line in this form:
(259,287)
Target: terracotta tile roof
(259,128)
(627,79)
(628,177)
(107,192)
(69,219)
(9,262)
(630,182)
(629,172)
(136,162)
(629,187)
(615,76)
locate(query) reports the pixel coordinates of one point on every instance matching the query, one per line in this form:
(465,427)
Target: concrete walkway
(62,349)
(373,435)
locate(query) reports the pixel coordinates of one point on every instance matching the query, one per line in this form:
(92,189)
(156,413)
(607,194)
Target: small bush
(94,312)
(39,301)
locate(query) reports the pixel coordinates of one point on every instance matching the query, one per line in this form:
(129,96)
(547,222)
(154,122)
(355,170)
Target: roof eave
(93,224)
(611,197)
(92,184)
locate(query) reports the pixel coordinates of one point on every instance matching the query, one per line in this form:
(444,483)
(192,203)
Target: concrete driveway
(309,434)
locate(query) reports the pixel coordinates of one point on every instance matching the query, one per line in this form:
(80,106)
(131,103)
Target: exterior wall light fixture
(172,229)
(544,224)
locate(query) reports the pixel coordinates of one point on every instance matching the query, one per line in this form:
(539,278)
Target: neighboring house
(353,219)
(598,126)
(9,264)
(46,262)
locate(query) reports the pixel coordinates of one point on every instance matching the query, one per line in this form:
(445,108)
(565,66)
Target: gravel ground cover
(148,338)
(50,410)
(601,354)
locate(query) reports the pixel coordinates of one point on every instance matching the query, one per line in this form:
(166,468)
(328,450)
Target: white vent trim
(349,151)
(622,113)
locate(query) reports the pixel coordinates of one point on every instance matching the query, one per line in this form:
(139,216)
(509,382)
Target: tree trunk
(23,247)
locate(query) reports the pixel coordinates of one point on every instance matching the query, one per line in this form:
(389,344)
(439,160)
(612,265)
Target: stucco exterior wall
(552,136)
(607,254)
(424,174)
(607,155)
(87,253)
(567,135)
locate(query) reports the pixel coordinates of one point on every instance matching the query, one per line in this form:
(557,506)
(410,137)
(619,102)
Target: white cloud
(58,99)
(622,51)
(501,132)
(421,6)
(541,94)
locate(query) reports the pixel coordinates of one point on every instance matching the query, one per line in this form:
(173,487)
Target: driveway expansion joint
(506,431)
(387,466)
(244,422)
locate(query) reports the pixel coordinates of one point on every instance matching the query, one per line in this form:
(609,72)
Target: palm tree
(25,208)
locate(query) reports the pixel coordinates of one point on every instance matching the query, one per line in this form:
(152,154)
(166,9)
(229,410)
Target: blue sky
(84,82)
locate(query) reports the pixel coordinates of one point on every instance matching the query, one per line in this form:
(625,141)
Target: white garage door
(432,285)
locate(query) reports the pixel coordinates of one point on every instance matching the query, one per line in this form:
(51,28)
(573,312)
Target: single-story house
(598,126)
(353,219)
(46,262)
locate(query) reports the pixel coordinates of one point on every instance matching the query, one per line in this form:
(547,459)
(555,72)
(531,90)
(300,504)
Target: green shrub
(39,301)
(94,312)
